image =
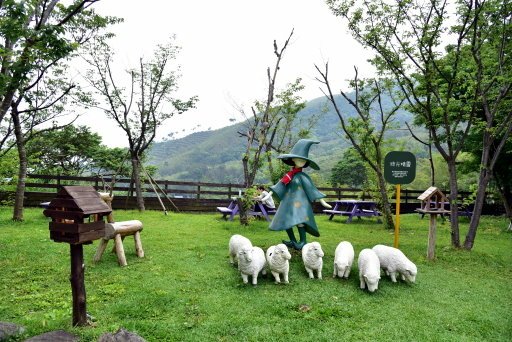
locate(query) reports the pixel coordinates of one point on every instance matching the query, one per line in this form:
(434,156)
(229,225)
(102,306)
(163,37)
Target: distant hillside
(215,156)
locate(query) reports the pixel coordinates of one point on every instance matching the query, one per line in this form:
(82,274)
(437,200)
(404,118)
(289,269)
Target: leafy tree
(262,129)
(350,170)
(491,47)
(36,39)
(145,105)
(68,151)
(75,150)
(367,135)
(408,38)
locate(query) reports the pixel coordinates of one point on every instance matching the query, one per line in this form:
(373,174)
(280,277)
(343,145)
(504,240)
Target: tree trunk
(483,180)
(386,206)
(138,186)
(454,210)
(22,170)
(506,195)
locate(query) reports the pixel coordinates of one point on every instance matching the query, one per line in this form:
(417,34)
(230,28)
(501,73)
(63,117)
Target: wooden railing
(187,196)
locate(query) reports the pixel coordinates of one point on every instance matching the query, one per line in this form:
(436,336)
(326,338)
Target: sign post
(399,168)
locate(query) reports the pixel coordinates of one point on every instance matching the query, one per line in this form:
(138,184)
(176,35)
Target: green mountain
(215,156)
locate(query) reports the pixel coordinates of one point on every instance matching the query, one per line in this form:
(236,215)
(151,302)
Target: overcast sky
(227,46)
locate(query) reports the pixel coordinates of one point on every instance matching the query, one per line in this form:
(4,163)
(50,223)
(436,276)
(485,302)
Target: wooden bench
(229,210)
(118,231)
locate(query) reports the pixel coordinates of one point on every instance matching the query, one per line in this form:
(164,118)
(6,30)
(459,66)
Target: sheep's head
(282,250)
(245,254)
(316,250)
(340,268)
(372,282)
(410,273)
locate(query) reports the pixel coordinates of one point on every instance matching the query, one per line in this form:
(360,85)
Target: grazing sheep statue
(277,259)
(312,255)
(251,261)
(394,262)
(369,269)
(343,259)
(236,242)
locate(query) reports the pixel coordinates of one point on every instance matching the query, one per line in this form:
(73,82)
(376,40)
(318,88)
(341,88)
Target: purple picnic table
(232,209)
(353,208)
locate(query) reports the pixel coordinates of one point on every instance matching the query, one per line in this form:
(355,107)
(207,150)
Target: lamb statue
(278,260)
(369,269)
(312,255)
(343,259)
(251,261)
(394,262)
(236,242)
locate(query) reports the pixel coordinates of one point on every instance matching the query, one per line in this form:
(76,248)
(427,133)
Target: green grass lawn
(186,290)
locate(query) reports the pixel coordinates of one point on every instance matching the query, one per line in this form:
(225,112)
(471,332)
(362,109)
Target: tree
(366,134)
(350,170)
(264,123)
(261,131)
(73,151)
(491,46)
(408,38)
(67,151)
(145,105)
(36,39)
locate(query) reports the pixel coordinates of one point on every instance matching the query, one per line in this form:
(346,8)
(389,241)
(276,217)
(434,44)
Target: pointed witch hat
(300,150)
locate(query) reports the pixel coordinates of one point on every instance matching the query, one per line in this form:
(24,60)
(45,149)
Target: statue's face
(299,162)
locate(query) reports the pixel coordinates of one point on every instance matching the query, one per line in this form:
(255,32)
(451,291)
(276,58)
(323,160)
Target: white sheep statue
(251,261)
(343,259)
(394,262)
(312,255)
(369,269)
(236,242)
(278,261)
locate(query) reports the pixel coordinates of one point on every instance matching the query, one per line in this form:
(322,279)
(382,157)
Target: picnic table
(353,208)
(229,212)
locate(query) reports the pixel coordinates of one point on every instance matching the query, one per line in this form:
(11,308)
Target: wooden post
(138,245)
(121,259)
(198,191)
(78,285)
(431,249)
(397,221)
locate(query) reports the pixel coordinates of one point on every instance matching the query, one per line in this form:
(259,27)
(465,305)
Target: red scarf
(287,178)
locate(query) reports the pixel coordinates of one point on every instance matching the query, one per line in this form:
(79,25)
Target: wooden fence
(186,196)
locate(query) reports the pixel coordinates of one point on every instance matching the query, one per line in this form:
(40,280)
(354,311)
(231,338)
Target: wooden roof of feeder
(433,192)
(81,199)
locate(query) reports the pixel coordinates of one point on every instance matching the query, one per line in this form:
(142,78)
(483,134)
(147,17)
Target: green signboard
(399,167)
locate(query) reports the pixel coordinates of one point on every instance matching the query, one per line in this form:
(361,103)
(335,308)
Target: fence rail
(187,196)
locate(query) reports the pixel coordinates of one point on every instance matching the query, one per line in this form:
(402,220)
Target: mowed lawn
(186,290)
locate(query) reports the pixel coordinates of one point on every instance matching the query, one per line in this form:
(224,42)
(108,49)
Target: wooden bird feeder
(433,202)
(77,218)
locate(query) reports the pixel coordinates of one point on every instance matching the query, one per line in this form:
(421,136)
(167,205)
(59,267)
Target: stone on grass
(8,330)
(121,336)
(54,336)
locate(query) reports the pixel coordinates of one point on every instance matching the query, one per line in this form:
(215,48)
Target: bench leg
(101,249)
(138,245)
(120,250)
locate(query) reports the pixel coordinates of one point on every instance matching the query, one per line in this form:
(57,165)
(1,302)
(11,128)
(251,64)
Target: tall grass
(186,290)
